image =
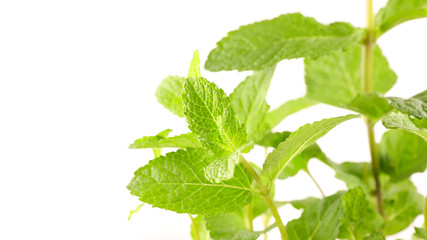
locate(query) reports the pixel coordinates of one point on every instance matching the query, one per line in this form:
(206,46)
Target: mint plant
(208,177)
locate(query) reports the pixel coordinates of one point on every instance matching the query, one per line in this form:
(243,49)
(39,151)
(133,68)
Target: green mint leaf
(273,139)
(275,116)
(188,140)
(198,227)
(401,208)
(420,233)
(402,154)
(132,212)
(305,203)
(415,106)
(212,117)
(222,168)
(230,226)
(249,100)
(355,205)
(340,73)
(397,12)
(296,143)
(263,44)
(320,221)
(177,182)
(169,94)
(300,162)
(354,174)
(375,236)
(403,121)
(370,104)
(194,71)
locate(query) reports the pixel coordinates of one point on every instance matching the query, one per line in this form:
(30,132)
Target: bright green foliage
(300,162)
(169,94)
(402,154)
(264,44)
(194,71)
(305,203)
(250,103)
(340,73)
(399,11)
(401,208)
(296,143)
(188,140)
(198,226)
(212,117)
(370,104)
(355,205)
(415,106)
(318,222)
(275,116)
(229,226)
(403,121)
(132,212)
(176,182)
(375,236)
(354,174)
(273,139)
(420,233)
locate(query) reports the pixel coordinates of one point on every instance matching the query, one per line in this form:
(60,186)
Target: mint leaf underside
(404,122)
(371,104)
(249,101)
(415,106)
(176,182)
(397,12)
(296,143)
(340,73)
(264,44)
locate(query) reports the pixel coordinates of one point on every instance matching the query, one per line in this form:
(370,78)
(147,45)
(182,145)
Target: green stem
(315,182)
(367,63)
(425,215)
(267,197)
(195,228)
(352,235)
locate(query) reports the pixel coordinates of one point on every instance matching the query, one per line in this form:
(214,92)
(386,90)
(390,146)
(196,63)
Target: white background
(77,83)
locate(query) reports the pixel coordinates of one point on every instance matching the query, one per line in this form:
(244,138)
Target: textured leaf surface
(296,143)
(354,174)
(402,154)
(401,208)
(370,104)
(264,44)
(355,205)
(318,222)
(399,11)
(188,140)
(340,73)
(415,106)
(249,100)
(403,121)
(169,94)
(212,117)
(176,182)
(275,116)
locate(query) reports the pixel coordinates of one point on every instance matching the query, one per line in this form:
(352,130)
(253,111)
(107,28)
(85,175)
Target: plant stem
(425,215)
(267,197)
(367,63)
(315,182)
(265,220)
(195,229)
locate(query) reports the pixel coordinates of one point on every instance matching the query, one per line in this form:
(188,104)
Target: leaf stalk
(267,197)
(367,63)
